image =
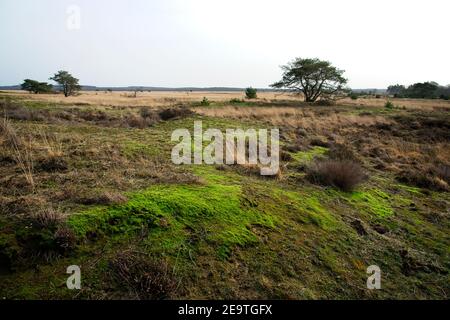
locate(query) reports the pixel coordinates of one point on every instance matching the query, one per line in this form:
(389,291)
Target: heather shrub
(343,174)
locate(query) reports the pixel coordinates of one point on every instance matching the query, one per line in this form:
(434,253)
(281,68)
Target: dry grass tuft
(9,133)
(22,151)
(47,218)
(143,277)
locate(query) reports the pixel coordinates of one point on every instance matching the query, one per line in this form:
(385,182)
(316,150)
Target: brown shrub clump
(15,111)
(107,198)
(319,143)
(341,152)
(52,164)
(433,178)
(343,174)
(139,122)
(443,172)
(147,112)
(173,113)
(325,103)
(143,277)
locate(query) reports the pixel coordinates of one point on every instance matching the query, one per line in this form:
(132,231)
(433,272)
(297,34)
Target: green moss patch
(173,213)
(304,157)
(373,201)
(310,209)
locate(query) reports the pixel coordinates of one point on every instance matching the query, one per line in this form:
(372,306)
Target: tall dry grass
(295,117)
(418,104)
(21,149)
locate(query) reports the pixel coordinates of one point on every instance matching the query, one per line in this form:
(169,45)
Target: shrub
(389,105)
(319,143)
(146,112)
(353,96)
(236,101)
(251,93)
(325,103)
(432,179)
(137,122)
(52,164)
(341,152)
(172,113)
(343,174)
(205,102)
(146,278)
(18,112)
(91,115)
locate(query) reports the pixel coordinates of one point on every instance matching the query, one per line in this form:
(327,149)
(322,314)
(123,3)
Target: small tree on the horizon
(251,93)
(68,83)
(36,87)
(396,90)
(313,78)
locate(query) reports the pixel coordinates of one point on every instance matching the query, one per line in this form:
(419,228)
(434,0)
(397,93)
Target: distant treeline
(145,89)
(425,90)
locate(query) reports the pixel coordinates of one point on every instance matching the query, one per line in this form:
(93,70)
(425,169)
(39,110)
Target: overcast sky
(223,43)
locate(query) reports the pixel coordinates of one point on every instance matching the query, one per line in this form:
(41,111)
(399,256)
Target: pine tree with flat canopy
(68,83)
(313,78)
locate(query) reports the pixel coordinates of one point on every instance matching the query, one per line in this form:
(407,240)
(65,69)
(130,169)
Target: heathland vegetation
(87,179)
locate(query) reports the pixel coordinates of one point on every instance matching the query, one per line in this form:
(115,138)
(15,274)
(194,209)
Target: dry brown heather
(292,116)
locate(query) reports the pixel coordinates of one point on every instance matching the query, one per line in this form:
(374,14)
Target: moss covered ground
(236,236)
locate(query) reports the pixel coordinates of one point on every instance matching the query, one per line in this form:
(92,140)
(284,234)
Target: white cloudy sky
(224,43)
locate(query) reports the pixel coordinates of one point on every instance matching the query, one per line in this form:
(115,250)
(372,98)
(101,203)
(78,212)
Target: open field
(154,98)
(169,98)
(88,180)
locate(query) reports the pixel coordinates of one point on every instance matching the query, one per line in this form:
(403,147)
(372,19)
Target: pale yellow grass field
(166,98)
(154,98)
(424,104)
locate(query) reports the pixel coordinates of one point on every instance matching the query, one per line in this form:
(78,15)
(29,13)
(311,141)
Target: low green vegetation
(375,202)
(251,93)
